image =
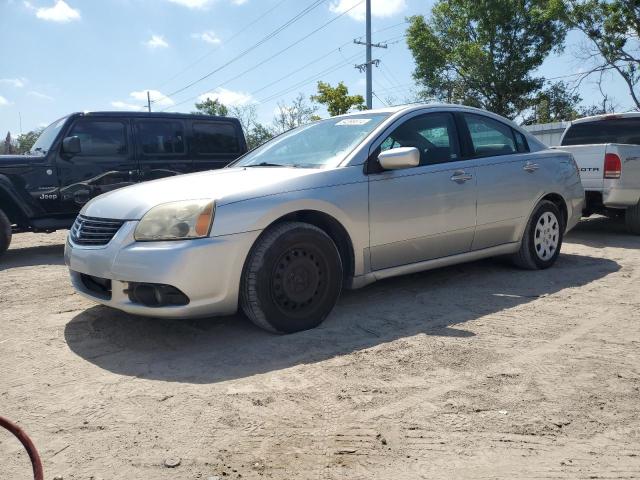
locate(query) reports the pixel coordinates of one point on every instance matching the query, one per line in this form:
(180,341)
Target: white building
(548,133)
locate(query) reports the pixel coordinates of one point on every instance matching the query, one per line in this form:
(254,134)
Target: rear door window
(161,137)
(489,137)
(614,130)
(215,138)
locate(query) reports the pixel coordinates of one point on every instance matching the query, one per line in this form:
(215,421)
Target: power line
(266,60)
(291,21)
(231,38)
(311,79)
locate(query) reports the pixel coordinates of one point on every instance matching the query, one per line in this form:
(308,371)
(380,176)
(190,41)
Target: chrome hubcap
(547,236)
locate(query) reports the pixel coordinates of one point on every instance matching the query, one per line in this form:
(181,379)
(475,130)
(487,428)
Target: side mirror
(71,145)
(399,158)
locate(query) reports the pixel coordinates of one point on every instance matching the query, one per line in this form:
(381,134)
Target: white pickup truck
(607,151)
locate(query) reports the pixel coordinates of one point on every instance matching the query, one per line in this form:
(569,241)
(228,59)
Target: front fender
(21,204)
(348,204)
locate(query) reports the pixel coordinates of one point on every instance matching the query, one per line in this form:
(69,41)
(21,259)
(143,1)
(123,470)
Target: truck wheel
(632,219)
(542,238)
(5,232)
(292,278)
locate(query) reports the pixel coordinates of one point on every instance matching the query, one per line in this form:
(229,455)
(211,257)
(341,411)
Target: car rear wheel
(292,278)
(632,219)
(5,232)
(542,239)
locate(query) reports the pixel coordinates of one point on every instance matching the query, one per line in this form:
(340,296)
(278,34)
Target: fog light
(156,295)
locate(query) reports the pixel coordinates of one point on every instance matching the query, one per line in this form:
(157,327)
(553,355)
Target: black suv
(86,154)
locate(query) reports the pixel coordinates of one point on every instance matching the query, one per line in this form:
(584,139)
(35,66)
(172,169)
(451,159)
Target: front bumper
(206,270)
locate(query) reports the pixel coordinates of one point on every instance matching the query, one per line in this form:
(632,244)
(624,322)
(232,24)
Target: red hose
(28,445)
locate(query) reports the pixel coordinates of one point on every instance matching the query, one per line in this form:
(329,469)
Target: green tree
(255,133)
(294,115)
(211,106)
(556,103)
(483,52)
(613,29)
(337,99)
(258,135)
(8,146)
(26,140)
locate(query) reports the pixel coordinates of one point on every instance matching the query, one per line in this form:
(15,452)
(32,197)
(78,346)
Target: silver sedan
(339,203)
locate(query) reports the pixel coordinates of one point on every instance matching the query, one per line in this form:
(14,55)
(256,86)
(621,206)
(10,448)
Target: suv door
(161,148)
(105,162)
(214,144)
(507,179)
(424,212)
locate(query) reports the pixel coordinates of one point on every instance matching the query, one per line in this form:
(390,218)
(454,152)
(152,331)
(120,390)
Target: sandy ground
(474,371)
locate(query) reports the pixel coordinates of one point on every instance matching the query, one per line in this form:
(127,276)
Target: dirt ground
(473,371)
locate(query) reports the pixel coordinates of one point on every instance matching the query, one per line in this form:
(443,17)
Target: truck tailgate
(590,159)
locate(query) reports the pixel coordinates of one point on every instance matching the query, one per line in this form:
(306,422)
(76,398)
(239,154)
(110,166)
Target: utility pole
(368,66)
(148,101)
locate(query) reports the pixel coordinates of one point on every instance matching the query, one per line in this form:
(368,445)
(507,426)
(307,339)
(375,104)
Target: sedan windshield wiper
(266,164)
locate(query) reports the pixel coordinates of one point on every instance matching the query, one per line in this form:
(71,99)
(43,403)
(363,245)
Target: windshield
(46,138)
(620,130)
(317,145)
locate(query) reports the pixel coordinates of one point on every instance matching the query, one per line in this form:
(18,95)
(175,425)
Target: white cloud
(158,99)
(202,4)
(228,97)
(15,82)
(156,41)
(379,8)
(127,106)
(60,12)
(40,95)
(208,37)
(192,3)
(3,101)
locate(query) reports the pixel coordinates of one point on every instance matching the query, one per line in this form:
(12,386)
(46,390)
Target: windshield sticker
(353,121)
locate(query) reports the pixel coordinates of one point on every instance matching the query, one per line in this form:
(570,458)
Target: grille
(94,231)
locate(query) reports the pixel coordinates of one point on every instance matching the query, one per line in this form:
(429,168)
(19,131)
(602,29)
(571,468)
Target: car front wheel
(292,278)
(542,238)
(5,232)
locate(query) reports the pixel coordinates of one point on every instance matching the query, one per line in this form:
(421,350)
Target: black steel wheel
(292,278)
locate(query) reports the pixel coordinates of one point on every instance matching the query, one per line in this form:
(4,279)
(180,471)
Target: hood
(17,160)
(225,186)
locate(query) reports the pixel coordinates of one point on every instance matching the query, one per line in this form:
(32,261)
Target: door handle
(461,176)
(531,167)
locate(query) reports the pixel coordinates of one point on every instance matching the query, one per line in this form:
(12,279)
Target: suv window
(161,137)
(100,138)
(489,137)
(613,130)
(215,137)
(433,134)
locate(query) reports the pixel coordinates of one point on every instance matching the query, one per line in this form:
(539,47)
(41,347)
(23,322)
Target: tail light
(612,166)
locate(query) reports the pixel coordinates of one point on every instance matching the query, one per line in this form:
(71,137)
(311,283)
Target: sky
(62,56)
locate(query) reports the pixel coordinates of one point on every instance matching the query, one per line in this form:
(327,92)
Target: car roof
(606,116)
(154,115)
(421,106)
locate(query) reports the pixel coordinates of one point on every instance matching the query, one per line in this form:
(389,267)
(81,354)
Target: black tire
(632,219)
(292,278)
(5,232)
(533,255)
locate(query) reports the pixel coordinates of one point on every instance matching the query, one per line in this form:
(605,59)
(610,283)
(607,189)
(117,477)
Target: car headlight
(176,221)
